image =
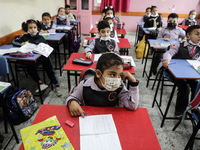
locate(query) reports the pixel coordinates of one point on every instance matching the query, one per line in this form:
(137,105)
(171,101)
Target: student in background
(187,50)
(113,33)
(168,33)
(47,25)
(109,11)
(61,19)
(191,19)
(104,43)
(32,36)
(105,88)
(155,19)
(148,14)
(69,15)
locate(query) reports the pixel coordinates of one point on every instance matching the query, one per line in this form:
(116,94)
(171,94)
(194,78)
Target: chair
(194,117)
(4,72)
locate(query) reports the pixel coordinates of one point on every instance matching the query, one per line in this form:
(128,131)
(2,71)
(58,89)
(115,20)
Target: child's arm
(55,21)
(20,41)
(67,22)
(75,100)
(116,50)
(160,35)
(88,50)
(53,28)
(72,17)
(129,98)
(183,22)
(182,34)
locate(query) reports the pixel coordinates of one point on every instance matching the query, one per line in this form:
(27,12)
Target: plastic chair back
(4,71)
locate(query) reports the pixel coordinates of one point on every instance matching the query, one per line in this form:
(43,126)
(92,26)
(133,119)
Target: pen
(85,114)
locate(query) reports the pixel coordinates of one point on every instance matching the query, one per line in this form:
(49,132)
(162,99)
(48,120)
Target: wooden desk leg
(68,79)
(168,105)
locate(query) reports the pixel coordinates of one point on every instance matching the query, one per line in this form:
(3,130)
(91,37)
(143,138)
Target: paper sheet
(4,85)
(63,28)
(98,132)
(6,51)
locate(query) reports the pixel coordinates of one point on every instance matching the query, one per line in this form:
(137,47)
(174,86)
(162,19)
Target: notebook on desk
(4,85)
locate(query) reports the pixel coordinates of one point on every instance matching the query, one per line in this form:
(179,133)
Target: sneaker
(58,92)
(42,87)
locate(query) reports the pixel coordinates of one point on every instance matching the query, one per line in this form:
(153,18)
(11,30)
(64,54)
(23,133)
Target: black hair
(191,28)
(25,24)
(192,11)
(46,14)
(148,8)
(106,18)
(173,15)
(109,8)
(152,7)
(108,60)
(60,9)
(67,6)
(102,25)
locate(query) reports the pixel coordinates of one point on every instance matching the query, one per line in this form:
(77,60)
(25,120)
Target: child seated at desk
(155,19)
(168,33)
(32,36)
(109,11)
(187,50)
(105,88)
(148,14)
(69,15)
(61,19)
(47,25)
(113,33)
(104,43)
(191,19)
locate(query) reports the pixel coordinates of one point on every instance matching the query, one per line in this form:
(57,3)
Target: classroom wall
(14,12)
(164,6)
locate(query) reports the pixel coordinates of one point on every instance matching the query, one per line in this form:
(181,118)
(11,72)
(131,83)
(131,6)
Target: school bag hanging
(21,104)
(140,48)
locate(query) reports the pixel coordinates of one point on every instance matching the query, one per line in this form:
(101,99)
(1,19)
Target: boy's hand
(43,31)
(23,43)
(118,15)
(75,109)
(88,55)
(166,63)
(167,39)
(127,75)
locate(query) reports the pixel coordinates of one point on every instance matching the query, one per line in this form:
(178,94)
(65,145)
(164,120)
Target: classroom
(100,74)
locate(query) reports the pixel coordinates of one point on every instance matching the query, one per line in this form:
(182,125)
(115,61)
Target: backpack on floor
(21,104)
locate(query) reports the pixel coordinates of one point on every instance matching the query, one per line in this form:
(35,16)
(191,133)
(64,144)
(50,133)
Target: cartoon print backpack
(21,104)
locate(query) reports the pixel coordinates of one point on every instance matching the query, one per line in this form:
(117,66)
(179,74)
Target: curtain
(118,5)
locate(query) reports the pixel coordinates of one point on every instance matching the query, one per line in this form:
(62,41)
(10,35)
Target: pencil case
(82,62)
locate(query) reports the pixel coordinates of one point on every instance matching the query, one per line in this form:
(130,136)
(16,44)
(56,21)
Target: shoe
(42,87)
(178,114)
(58,92)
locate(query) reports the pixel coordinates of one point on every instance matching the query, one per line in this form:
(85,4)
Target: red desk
(134,128)
(69,66)
(119,31)
(183,27)
(123,44)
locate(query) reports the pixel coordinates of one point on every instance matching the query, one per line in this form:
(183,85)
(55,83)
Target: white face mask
(47,24)
(61,16)
(111,26)
(192,17)
(192,43)
(111,84)
(31,33)
(111,15)
(154,15)
(148,15)
(105,38)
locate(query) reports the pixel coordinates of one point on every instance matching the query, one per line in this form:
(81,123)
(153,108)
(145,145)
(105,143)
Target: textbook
(47,134)
(4,85)
(63,28)
(195,64)
(159,45)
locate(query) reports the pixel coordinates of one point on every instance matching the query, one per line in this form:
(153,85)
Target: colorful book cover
(45,135)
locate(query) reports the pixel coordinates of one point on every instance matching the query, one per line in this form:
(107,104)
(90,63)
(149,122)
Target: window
(97,3)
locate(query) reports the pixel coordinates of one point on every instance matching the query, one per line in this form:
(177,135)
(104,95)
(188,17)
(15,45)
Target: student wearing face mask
(47,25)
(155,19)
(109,11)
(61,18)
(191,19)
(32,36)
(171,32)
(105,88)
(104,43)
(148,14)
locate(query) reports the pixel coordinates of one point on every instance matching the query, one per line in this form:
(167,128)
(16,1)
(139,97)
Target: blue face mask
(47,24)
(192,17)
(61,16)
(111,15)
(32,34)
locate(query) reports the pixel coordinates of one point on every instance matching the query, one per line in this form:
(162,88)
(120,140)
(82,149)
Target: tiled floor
(169,140)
